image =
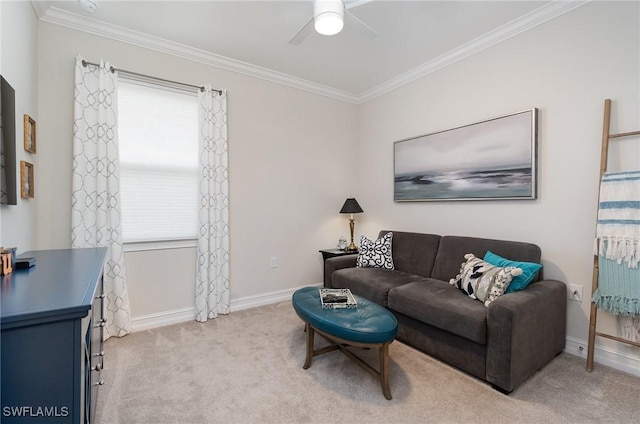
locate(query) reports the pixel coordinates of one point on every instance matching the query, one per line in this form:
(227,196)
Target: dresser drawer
(51,324)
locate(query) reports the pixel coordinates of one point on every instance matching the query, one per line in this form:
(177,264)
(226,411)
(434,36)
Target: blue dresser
(51,320)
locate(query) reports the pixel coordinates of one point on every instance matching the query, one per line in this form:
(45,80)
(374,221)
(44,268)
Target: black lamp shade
(351,206)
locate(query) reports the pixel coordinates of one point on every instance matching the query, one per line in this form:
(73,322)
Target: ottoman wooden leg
(310,333)
(384,370)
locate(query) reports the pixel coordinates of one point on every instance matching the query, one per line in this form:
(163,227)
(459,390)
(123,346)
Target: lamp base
(352,226)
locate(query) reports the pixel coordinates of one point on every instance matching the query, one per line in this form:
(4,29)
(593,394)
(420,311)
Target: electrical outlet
(575,292)
(273,262)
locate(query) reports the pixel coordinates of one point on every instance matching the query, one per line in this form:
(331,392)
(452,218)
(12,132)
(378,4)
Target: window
(158,137)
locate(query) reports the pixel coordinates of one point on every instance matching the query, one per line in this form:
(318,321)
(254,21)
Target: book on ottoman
(337,298)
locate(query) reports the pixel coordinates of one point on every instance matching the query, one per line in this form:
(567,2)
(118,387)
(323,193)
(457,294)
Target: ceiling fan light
(328,16)
(329,23)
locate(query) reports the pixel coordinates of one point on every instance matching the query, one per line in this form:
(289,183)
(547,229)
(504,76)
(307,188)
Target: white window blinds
(158,138)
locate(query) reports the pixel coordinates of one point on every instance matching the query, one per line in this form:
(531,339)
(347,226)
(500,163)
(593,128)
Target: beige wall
(19,66)
(158,280)
(565,68)
(290,157)
(283,152)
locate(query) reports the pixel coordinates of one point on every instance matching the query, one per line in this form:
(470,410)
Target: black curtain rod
(112,69)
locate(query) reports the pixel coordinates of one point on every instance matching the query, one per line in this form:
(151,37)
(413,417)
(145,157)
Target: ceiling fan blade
(365,29)
(355,3)
(302,32)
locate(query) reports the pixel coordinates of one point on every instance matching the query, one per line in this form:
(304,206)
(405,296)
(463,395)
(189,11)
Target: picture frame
(487,160)
(27,181)
(29,134)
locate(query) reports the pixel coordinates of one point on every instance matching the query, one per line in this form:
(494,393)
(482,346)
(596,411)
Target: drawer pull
(99,383)
(97,368)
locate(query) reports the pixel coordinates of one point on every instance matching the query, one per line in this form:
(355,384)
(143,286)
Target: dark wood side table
(332,253)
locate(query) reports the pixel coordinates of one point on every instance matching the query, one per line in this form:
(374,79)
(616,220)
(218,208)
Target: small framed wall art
(29,134)
(26,180)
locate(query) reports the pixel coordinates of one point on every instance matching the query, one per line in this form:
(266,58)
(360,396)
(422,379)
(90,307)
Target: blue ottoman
(369,326)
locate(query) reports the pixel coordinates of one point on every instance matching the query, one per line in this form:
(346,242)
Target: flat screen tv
(9,195)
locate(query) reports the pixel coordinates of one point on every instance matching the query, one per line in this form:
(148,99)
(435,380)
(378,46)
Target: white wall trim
(161,319)
(265,299)
(177,316)
(604,356)
(39,8)
(534,18)
(143,246)
(78,22)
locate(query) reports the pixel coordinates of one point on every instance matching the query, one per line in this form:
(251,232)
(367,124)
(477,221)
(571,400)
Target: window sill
(142,246)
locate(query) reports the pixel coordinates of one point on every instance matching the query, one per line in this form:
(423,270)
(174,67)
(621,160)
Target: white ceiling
(414,37)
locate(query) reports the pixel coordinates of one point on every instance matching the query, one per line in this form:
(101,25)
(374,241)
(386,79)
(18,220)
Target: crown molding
(534,18)
(39,8)
(86,24)
(89,25)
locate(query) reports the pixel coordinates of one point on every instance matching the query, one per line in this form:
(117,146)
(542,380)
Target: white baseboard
(161,319)
(605,356)
(176,316)
(265,299)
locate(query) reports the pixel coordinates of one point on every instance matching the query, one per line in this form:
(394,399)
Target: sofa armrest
(336,263)
(525,330)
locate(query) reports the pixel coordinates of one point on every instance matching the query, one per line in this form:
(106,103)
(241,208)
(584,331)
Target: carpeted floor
(247,368)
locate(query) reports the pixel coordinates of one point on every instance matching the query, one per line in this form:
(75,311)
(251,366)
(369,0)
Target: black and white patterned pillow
(482,281)
(375,254)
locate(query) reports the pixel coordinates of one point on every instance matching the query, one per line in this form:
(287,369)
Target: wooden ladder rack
(606,136)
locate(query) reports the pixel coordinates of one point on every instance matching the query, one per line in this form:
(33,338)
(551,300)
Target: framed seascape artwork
(492,159)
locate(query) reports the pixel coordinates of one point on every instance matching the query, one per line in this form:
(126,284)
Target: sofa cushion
(375,253)
(482,281)
(529,270)
(441,305)
(414,252)
(453,248)
(372,283)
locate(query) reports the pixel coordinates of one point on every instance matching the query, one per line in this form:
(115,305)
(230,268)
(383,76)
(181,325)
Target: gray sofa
(504,343)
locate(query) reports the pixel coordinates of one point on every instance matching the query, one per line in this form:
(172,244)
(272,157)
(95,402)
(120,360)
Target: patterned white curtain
(212,279)
(95,197)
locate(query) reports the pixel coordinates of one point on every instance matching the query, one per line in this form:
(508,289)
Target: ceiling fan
(328,19)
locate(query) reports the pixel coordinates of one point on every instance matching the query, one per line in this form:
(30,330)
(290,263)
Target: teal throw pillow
(529,270)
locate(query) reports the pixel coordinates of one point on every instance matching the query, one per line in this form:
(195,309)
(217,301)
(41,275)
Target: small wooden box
(7,263)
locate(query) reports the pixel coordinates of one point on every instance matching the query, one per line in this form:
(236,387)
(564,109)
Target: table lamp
(351,206)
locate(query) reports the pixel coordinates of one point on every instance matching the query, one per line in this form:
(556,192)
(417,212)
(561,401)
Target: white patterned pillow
(375,254)
(483,281)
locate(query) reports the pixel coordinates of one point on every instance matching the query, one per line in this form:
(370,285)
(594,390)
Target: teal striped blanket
(618,243)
